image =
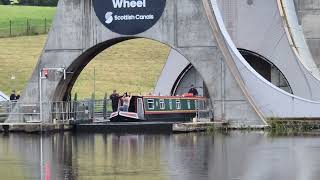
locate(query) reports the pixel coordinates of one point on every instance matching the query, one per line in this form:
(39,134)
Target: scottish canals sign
(129,17)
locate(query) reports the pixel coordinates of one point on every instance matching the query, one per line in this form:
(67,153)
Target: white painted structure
(3,97)
(207,33)
(175,64)
(270,29)
(272,101)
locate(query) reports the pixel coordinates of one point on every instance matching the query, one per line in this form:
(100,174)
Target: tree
(5,2)
(38,2)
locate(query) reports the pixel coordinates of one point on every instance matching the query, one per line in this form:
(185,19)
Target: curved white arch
(175,64)
(261,27)
(295,34)
(3,97)
(271,101)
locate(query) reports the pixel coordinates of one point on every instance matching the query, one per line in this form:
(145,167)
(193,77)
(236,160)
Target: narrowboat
(159,108)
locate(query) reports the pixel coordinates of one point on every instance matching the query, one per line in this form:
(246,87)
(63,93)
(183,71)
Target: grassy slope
(24,12)
(18,57)
(132,66)
(18,16)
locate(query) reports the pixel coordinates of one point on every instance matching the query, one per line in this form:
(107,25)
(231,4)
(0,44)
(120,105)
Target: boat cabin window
(178,104)
(150,104)
(170,103)
(162,105)
(189,104)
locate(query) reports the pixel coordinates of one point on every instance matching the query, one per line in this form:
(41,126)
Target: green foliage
(132,66)
(26,12)
(75,97)
(5,2)
(292,126)
(31,2)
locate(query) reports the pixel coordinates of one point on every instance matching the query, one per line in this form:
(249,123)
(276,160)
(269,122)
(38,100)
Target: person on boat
(193,90)
(13,96)
(115,100)
(126,102)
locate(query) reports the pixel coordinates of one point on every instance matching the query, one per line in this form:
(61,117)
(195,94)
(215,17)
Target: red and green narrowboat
(159,108)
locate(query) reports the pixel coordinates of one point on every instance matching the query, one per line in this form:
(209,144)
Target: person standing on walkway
(13,96)
(115,100)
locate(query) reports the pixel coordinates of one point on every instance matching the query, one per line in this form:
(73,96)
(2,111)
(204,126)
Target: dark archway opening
(189,76)
(266,69)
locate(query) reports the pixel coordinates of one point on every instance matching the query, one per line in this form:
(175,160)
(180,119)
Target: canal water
(198,156)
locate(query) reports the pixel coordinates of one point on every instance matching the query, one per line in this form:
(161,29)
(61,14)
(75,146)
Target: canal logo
(108,17)
(129,17)
(128,4)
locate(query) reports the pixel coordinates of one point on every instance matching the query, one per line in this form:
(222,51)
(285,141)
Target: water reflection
(236,156)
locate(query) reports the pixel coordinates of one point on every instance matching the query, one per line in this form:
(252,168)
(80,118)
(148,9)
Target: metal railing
(87,110)
(24,27)
(75,111)
(18,111)
(204,111)
(79,111)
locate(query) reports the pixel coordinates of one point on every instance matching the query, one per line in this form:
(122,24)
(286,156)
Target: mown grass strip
(25,20)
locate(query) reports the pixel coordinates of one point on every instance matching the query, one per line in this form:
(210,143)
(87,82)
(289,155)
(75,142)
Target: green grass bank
(131,66)
(25,20)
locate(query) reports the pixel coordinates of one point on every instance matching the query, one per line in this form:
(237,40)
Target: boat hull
(124,117)
(132,117)
(173,117)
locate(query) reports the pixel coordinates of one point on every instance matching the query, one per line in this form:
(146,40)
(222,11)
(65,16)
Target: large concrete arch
(237,92)
(271,29)
(263,27)
(176,70)
(76,67)
(287,106)
(77,34)
(308,18)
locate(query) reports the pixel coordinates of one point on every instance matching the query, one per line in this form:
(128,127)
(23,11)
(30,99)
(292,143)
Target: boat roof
(174,97)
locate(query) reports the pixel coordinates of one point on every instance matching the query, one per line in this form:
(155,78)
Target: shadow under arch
(185,72)
(64,88)
(266,69)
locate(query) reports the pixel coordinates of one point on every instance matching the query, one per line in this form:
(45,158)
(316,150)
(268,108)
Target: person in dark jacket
(13,96)
(193,90)
(115,100)
(18,96)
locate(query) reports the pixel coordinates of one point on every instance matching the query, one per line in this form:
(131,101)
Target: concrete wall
(173,68)
(270,100)
(309,18)
(259,27)
(77,36)
(191,77)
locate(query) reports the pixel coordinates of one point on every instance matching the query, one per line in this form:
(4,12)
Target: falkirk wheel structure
(249,57)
